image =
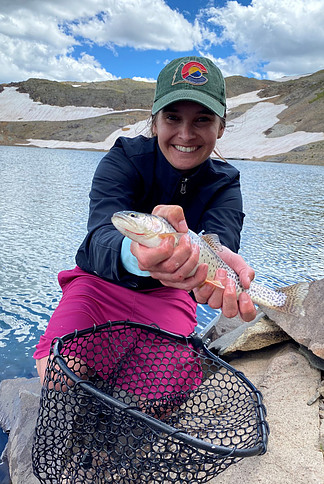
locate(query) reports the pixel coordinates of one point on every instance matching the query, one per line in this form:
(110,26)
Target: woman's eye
(203,119)
(172,117)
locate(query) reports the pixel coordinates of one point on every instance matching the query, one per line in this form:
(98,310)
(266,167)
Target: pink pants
(89,300)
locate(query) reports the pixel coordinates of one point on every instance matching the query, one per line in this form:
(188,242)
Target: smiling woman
(170,174)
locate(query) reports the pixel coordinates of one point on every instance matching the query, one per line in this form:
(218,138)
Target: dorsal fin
(213,241)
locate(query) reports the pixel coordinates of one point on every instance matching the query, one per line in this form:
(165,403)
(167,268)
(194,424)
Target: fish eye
(132,214)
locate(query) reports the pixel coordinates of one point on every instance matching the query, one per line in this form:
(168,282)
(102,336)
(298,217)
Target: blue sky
(96,40)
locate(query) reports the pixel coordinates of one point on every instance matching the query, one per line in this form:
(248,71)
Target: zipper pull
(183,188)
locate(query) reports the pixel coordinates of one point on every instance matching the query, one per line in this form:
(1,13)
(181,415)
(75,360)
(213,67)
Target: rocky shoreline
(282,355)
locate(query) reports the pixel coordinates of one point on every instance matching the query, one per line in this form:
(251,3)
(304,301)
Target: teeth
(186,149)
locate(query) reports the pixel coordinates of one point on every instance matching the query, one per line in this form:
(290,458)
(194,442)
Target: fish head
(141,227)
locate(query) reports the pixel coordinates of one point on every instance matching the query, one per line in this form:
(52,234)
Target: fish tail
(295,297)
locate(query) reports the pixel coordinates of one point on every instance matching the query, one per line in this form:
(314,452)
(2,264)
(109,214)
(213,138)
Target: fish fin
(295,297)
(175,235)
(214,283)
(213,241)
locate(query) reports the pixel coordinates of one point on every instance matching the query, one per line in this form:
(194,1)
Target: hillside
(267,120)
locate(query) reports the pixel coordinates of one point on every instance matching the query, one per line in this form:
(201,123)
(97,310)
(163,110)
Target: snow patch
(246,98)
(243,138)
(130,131)
(17,106)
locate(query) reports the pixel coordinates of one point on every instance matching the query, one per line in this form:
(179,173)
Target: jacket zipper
(183,188)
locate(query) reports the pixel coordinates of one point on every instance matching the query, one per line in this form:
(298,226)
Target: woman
(171,175)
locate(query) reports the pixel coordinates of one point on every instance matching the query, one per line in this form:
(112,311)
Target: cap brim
(189,95)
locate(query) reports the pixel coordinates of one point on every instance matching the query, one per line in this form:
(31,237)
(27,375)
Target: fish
(149,230)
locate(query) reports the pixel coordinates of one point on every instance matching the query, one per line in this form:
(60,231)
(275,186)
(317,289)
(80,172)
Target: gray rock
(226,325)
(10,398)
(221,325)
(308,330)
(19,403)
(249,336)
(287,382)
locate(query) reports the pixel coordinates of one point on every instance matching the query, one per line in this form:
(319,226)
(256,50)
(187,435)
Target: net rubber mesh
(129,403)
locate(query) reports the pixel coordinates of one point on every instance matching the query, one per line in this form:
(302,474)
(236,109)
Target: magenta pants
(89,300)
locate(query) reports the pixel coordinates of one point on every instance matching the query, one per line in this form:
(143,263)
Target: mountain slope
(278,121)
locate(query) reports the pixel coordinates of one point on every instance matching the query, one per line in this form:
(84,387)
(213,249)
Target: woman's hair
(222,122)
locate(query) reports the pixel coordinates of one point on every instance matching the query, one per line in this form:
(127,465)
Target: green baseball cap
(191,78)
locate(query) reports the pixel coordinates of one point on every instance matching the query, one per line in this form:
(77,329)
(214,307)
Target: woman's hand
(171,265)
(226,299)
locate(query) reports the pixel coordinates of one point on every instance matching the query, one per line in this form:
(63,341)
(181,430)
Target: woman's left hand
(226,298)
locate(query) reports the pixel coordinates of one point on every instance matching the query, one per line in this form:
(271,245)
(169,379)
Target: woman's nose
(186,131)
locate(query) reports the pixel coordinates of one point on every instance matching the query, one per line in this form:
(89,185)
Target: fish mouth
(135,233)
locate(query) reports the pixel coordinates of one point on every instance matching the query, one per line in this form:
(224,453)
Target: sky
(98,40)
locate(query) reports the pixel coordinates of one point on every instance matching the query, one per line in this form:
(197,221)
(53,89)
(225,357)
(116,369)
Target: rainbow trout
(149,230)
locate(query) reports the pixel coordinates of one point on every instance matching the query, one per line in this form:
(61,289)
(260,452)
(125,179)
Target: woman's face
(187,133)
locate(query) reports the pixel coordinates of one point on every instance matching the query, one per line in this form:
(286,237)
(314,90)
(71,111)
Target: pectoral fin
(214,283)
(175,235)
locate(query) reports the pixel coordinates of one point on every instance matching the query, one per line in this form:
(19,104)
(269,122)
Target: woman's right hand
(170,264)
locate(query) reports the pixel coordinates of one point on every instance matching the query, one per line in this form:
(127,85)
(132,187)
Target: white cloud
(143,79)
(23,59)
(232,65)
(142,24)
(38,38)
(286,35)
(34,42)
(269,38)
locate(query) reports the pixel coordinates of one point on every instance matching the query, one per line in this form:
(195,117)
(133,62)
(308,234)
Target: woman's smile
(186,149)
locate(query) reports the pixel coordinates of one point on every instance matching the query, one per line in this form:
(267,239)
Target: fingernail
(183,226)
(187,238)
(231,285)
(195,248)
(221,273)
(244,298)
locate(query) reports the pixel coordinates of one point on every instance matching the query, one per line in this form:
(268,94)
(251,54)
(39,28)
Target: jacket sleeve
(224,216)
(114,187)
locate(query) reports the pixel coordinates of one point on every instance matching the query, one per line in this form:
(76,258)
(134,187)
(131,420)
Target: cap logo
(191,73)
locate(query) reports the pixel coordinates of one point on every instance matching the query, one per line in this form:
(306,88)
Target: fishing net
(130,403)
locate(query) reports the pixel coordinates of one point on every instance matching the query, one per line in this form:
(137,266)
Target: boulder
(249,336)
(306,329)
(287,382)
(19,403)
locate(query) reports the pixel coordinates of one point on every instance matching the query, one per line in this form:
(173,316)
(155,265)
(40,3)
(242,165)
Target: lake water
(43,216)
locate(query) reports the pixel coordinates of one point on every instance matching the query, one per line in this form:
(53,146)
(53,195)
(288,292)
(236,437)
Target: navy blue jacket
(135,175)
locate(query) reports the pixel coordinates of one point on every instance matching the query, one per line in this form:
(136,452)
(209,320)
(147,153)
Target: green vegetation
(318,96)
